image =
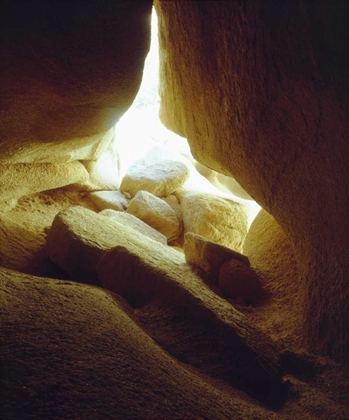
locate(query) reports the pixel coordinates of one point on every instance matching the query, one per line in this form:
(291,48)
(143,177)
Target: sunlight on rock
(140,130)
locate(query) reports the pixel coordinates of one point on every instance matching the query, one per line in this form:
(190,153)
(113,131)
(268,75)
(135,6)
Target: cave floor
(75,351)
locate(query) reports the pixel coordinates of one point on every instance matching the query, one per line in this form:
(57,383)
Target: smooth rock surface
(22,179)
(271,254)
(70,70)
(220,220)
(144,273)
(133,222)
(78,238)
(156,213)
(72,338)
(161,178)
(208,256)
(114,200)
(141,269)
(260,90)
(105,171)
(237,280)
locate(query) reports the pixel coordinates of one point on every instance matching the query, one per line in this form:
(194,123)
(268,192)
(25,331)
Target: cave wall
(260,89)
(69,71)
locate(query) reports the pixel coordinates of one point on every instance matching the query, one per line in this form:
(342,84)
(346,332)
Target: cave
(205,280)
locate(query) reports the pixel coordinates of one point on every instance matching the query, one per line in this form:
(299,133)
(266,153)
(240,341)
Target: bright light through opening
(140,129)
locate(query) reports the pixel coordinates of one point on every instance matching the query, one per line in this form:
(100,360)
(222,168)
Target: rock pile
(97,249)
(163,189)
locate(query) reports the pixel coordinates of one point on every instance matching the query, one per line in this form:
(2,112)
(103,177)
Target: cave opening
(140,132)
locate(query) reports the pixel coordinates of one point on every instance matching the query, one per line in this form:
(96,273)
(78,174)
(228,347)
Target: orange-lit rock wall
(260,89)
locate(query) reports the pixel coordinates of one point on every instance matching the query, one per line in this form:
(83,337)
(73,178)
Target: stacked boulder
(165,198)
(163,189)
(100,250)
(224,268)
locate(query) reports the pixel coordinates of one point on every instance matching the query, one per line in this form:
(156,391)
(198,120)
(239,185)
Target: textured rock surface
(77,240)
(261,90)
(22,231)
(271,254)
(156,213)
(208,256)
(114,200)
(217,219)
(133,222)
(141,269)
(173,202)
(161,178)
(80,334)
(23,179)
(237,280)
(272,111)
(56,335)
(104,172)
(70,71)
(147,272)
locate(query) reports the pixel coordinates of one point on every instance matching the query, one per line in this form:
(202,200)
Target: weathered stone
(237,280)
(141,269)
(156,213)
(273,114)
(69,73)
(144,272)
(22,179)
(208,256)
(173,202)
(271,254)
(70,333)
(114,200)
(104,172)
(161,178)
(127,219)
(22,231)
(77,240)
(220,220)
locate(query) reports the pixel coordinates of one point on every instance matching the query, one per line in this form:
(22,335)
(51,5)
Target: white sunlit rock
(156,213)
(105,171)
(219,219)
(114,200)
(173,202)
(161,178)
(127,219)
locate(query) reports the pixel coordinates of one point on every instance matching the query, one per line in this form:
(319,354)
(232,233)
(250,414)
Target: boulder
(127,219)
(22,179)
(218,219)
(114,200)
(104,172)
(161,178)
(149,275)
(69,71)
(22,231)
(173,202)
(271,253)
(208,256)
(141,270)
(156,213)
(78,238)
(59,338)
(273,115)
(135,153)
(237,280)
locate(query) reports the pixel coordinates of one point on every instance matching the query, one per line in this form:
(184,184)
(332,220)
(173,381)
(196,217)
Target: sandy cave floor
(320,387)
